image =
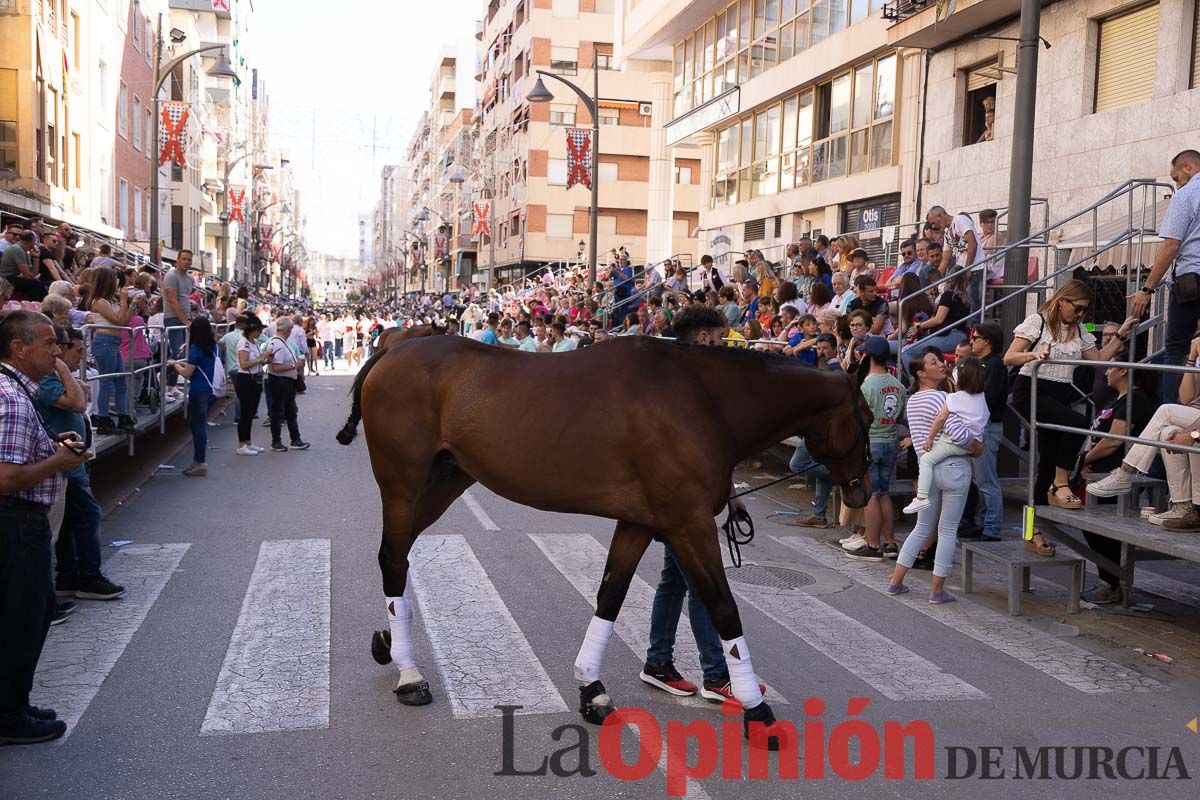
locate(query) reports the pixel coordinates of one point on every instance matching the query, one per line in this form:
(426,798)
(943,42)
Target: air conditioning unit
(645,109)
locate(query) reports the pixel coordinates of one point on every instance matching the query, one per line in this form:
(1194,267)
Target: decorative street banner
(172,136)
(220,5)
(265,232)
(579,157)
(439,247)
(483,223)
(237,197)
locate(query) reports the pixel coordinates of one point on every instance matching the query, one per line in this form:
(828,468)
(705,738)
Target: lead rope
(739,525)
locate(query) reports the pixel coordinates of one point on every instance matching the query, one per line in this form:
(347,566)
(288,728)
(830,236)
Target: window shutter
(1196,49)
(981,76)
(8,95)
(756,230)
(1128,54)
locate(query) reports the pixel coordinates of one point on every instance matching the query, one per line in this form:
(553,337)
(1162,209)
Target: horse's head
(841,444)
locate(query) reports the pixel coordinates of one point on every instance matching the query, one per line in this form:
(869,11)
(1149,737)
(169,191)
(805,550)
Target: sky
(347,82)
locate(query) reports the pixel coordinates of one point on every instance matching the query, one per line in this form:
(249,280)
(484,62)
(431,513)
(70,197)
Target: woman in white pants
(1177,423)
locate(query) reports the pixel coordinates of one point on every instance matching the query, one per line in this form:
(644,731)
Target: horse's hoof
(594,703)
(761,714)
(381,647)
(414,694)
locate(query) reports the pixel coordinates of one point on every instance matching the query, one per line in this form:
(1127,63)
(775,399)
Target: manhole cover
(774,577)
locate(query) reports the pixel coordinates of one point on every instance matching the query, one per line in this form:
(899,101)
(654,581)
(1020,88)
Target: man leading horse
(666,470)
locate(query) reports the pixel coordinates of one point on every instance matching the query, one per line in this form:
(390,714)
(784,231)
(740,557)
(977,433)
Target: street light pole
(540,94)
(221,69)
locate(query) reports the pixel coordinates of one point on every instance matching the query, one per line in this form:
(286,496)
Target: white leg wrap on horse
(741,672)
(400,617)
(591,652)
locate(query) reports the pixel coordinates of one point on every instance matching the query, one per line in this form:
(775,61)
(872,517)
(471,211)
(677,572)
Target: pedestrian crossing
(275,674)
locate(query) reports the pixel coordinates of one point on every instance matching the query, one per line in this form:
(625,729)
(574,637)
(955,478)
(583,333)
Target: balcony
(446,87)
(924,23)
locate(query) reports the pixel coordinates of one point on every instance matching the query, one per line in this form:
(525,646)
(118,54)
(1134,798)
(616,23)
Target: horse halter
(860,437)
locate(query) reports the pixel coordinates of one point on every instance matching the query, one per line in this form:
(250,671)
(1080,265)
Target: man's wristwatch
(1147,290)
(1195,437)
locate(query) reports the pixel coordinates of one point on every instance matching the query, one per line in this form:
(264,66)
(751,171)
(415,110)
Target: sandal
(1071,504)
(1042,548)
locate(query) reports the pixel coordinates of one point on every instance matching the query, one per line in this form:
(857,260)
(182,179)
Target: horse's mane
(768,356)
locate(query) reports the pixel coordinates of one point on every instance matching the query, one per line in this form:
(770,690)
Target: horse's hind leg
(403,520)
(629,542)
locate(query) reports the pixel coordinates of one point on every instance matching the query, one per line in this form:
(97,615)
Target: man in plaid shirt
(31,467)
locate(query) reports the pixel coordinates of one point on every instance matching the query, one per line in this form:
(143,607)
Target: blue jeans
(664,620)
(802,461)
(198,405)
(327,352)
(987,481)
(1181,326)
(337,346)
(175,340)
(26,603)
(951,480)
(944,343)
(77,550)
(882,466)
(107,350)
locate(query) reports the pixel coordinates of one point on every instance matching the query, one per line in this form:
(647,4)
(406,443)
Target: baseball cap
(875,346)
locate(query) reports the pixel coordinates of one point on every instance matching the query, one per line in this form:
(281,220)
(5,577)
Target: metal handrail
(641,293)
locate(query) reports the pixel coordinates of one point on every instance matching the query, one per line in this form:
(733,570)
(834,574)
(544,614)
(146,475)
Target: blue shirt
(203,363)
(50,391)
(1182,222)
(489,337)
(808,356)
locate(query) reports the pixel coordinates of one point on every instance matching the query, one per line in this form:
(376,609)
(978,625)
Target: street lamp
(222,69)
(540,94)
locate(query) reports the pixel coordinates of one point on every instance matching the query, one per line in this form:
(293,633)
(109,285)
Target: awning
(629,104)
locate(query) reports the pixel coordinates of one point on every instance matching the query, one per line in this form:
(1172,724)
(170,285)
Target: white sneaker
(1175,511)
(856,544)
(246,450)
(853,538)
(918,504)
(1114,483)
(256,448)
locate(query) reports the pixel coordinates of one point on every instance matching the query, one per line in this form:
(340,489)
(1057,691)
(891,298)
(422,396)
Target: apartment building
(521,147)
(1116,99)
(802,110)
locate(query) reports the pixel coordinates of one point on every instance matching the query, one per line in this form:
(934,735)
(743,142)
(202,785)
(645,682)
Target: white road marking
(79,655)
(275,676)
(483,656)
(580,559)
(1074,666)
(478,511)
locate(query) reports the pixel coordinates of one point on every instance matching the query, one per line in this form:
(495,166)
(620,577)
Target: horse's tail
(350,430)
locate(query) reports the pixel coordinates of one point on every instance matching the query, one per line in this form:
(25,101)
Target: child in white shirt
(960,421)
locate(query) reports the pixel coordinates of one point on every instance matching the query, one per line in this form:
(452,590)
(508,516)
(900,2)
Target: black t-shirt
(1143,410)
(957,310)
(877,306)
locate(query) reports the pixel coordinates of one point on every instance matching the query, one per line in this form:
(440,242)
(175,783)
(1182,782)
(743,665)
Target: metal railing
(633,299)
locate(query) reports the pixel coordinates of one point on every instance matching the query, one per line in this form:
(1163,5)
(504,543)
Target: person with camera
(31,468)
(248,382)
(284,372)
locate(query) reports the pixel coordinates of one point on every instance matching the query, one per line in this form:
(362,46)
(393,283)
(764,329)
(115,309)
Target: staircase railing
(634,299)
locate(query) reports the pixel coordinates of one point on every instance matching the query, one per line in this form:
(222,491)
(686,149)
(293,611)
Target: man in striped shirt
(31,466)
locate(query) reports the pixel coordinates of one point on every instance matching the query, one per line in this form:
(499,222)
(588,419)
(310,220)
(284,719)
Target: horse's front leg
(629,543)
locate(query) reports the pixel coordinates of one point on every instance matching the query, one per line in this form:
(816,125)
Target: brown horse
(392,335)
(444,412)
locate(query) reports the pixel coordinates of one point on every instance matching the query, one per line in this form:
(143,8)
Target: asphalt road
(238,665)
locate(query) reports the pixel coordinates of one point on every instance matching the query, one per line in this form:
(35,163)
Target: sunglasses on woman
(1080,309)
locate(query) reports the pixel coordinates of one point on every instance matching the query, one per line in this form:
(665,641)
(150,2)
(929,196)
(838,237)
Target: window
(564,60)
(565,9)
(680,229)
(137,213)
(123,110)
(149,42)
(683,176)
(1128,50)
(559,226)
(980,102)
(78,154)
(137,123)
(608,172)
(8,120)
(123,207)
(606,225)
(556,172)
(75,51)
(562,115)
(603,60)
(604,6)
(610,116)
(102,69)
(137,29)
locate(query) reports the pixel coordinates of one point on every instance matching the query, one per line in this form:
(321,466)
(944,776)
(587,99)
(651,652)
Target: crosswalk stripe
(79,655)
(1074,666)
(477,510)
(275,676)
(580,559)
(480,651)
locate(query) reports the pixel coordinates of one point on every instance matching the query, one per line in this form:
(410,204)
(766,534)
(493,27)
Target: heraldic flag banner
(237,202)
(172,134)
(483,223)
(579,157)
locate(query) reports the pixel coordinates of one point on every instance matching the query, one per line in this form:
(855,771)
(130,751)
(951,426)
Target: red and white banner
(439,247)
(172,134)
(237,199)
(483,221)
(579,157)
(220,5)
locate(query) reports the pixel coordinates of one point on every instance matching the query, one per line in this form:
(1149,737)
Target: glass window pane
(770,51)
(860,157)
(689,57)
(709,33)
(837,157)
(744,184)
(787,10)
(802,32)
(862,96)
(820,24)
(837,16)
(789,122)
(772,15)
(804,120)
(839,104)
(803,166)
(785,43)
(743,62)
(820,161)
(744,25)
(787,172)
(718,82)
(773,130)
(747,143)
(803,5)
(721,44)
(858,11)
(885,87)
(761,135)
(731,72)
(756,60)
(760,18)
(881,145)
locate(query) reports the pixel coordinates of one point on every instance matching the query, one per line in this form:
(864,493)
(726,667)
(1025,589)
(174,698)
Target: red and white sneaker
(667,678)
(720,690)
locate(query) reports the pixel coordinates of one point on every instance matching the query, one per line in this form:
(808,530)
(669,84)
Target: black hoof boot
(592,711)
(761,714)
(381,647)
(414,694)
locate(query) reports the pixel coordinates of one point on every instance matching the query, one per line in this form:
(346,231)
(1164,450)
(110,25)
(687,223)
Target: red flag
(579,157)
(172,136)
(483,222)
(237,196)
